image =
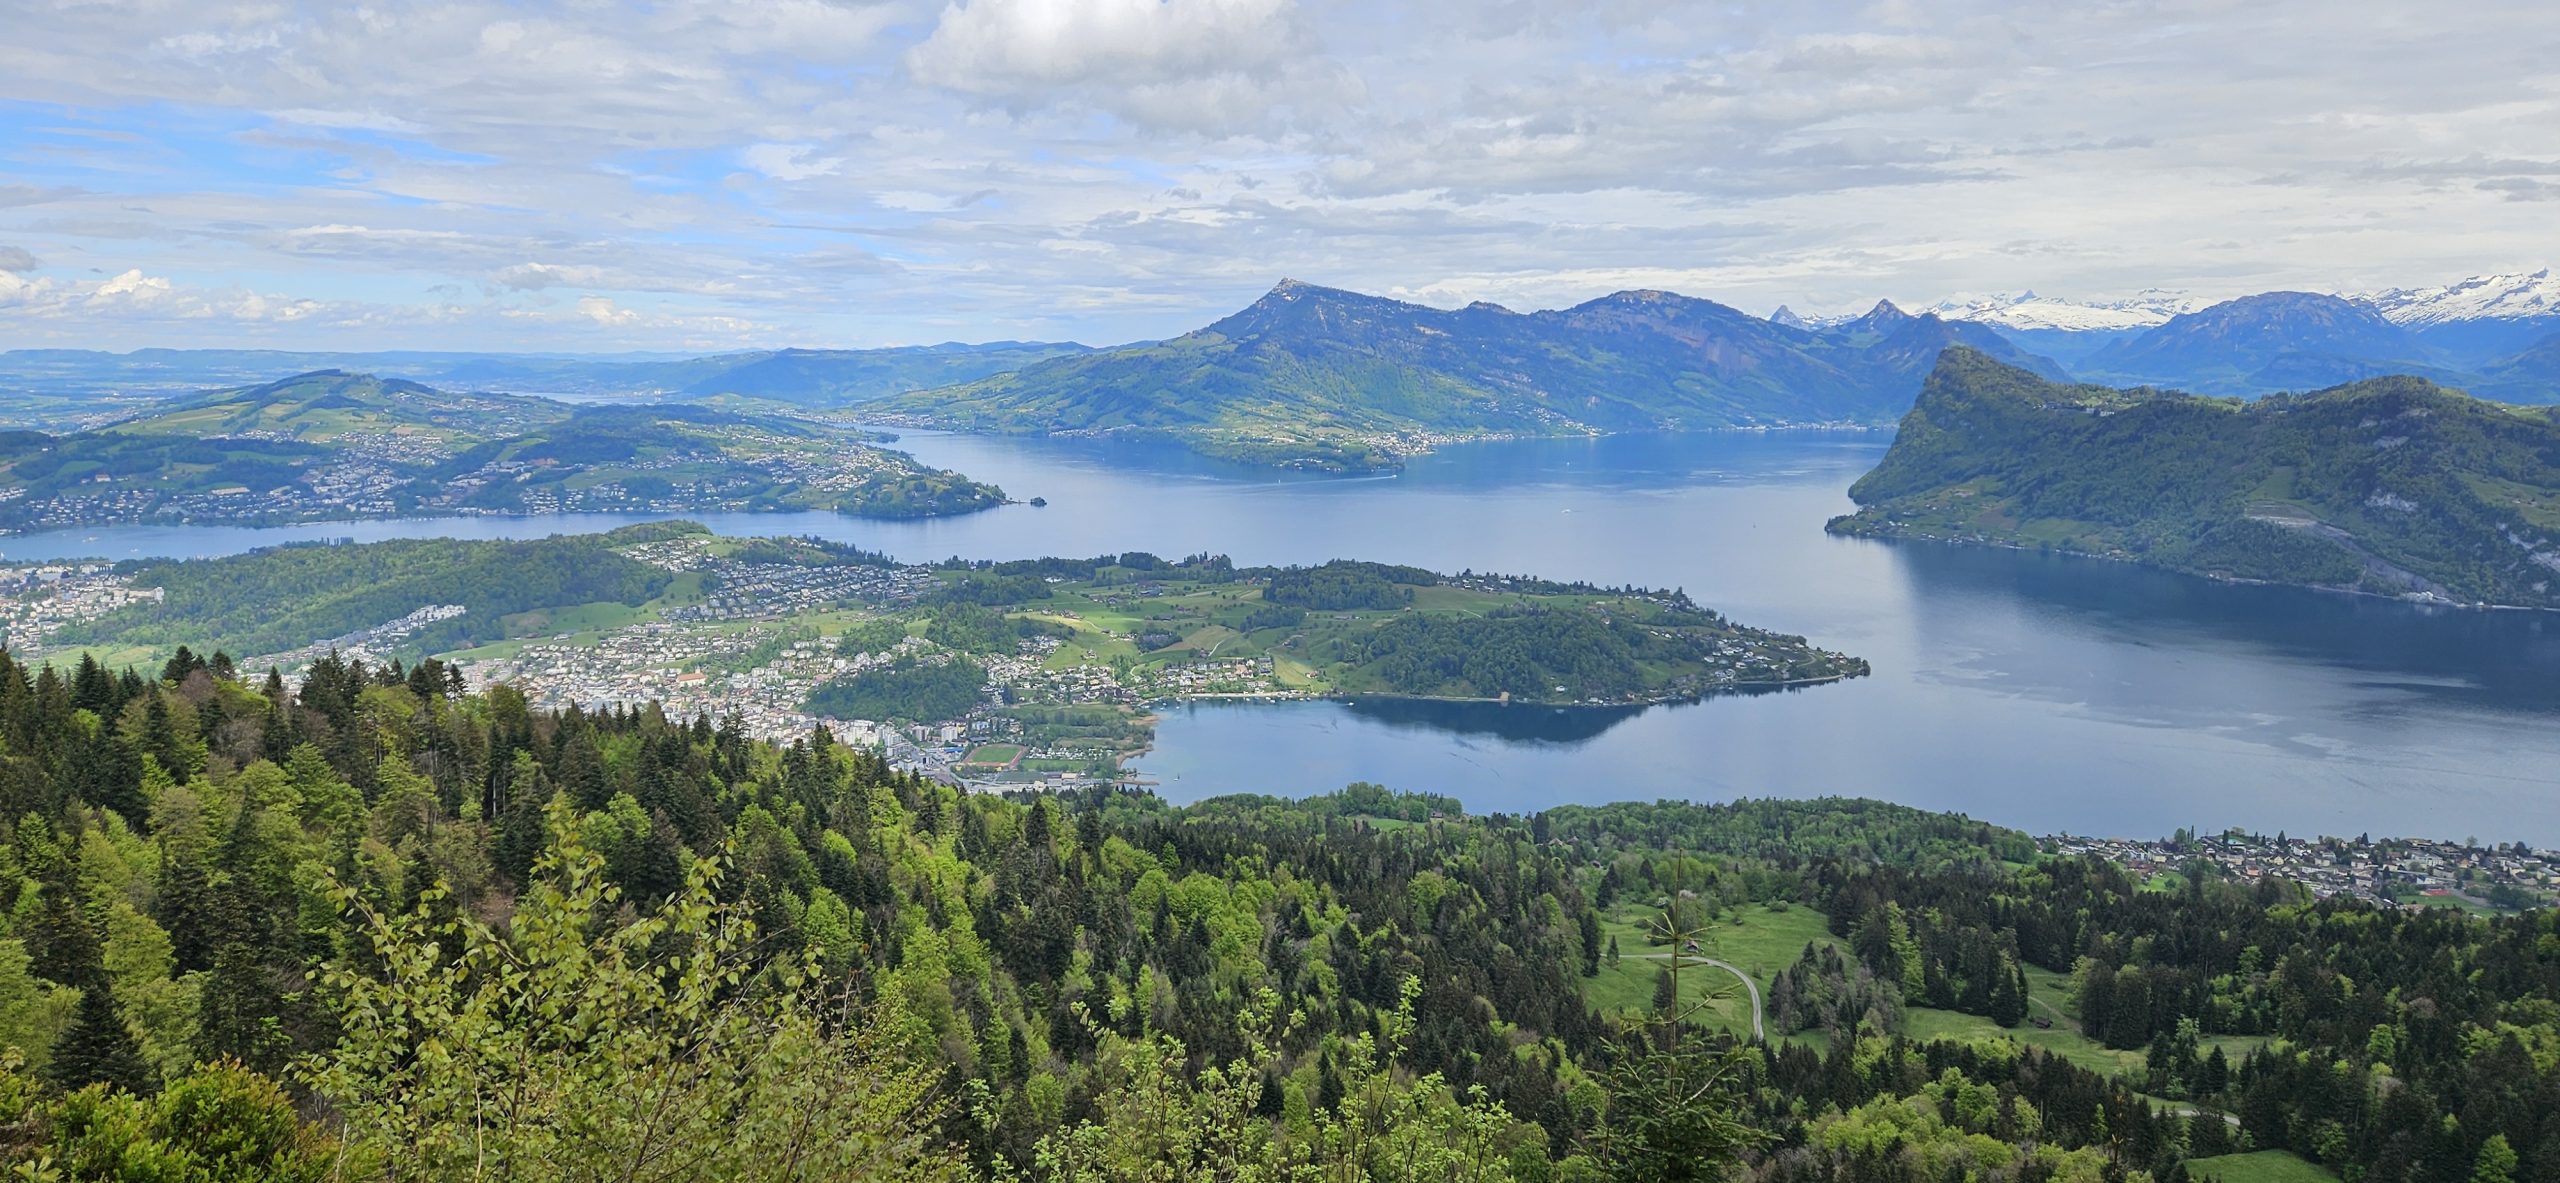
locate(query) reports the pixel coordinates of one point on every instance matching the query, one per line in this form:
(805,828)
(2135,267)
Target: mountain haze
(1320,377)
(58,388)
(2468,334)
(2272,341)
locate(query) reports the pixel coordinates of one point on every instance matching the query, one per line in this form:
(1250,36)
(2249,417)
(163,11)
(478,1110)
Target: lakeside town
(2388,872)
(751,650)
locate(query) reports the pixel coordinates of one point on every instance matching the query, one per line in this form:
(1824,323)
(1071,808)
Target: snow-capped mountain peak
(2027,310)
(2481,297)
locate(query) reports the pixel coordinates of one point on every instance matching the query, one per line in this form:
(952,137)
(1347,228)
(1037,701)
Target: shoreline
(1315,463)
(1150,718)
(647,514)
(1553,704)
(2414,601)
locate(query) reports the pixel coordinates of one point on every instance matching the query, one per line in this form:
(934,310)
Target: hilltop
(1318,377)
(327,406)
(2389,485)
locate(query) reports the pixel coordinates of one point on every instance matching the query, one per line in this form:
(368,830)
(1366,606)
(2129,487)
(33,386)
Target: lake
(2041,692)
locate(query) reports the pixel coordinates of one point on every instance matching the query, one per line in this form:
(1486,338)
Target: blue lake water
(2041,692)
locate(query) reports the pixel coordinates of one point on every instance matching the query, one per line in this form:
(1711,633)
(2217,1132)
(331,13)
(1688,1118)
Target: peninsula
(2391,486)
(1051,660)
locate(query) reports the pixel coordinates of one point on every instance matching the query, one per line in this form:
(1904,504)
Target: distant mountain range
(1321,377)
(2472,334)
(58,388)
(1318,377)
(2389,485)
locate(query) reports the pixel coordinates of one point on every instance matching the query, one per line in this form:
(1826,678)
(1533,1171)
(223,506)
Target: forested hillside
(385,928)
(280,598)
(2393,485)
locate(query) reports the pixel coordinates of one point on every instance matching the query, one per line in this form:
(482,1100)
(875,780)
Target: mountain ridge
(2273,340)
(2389,485)
(1322,377)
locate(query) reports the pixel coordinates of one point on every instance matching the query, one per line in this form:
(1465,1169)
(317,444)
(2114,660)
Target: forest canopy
(378,926)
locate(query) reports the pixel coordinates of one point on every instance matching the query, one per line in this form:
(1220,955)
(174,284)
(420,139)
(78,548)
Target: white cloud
(533,277)
(603,311)
(859,172)
(1002,46)
(350,120)
(789,162)
(132,287)
(1219,66)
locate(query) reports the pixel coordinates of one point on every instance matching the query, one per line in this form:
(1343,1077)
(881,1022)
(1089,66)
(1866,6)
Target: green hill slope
(275,599)
(335,445)
(1316,377)
(2390,485)
(328,406)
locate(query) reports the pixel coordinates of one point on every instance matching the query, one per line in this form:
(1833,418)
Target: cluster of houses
(1244,676)
(758,591)
(1028,675)
(761,675)
(38,601)
(2390,872)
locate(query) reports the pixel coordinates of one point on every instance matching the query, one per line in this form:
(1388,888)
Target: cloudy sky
(692,174)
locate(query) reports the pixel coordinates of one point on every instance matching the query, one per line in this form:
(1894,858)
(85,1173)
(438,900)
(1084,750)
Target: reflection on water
(2493,661)
(1524,723)
(1519,723)
(2039,691)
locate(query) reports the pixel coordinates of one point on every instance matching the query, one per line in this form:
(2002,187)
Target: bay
(2039,691)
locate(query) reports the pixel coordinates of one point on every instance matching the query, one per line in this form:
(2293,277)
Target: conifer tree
(2008,994)
(98,1048)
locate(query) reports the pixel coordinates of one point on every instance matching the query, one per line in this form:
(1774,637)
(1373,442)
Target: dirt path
(1757,1031)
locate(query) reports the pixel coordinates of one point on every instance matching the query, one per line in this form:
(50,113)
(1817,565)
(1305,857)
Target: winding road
(1747,984)
(1754,987)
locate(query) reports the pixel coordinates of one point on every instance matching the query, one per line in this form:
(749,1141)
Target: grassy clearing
(2455,902)
(575,618)
(146,658)
(2264,1166)
(2049,997)
(1763,940)
(2061,1039)
(490,652)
